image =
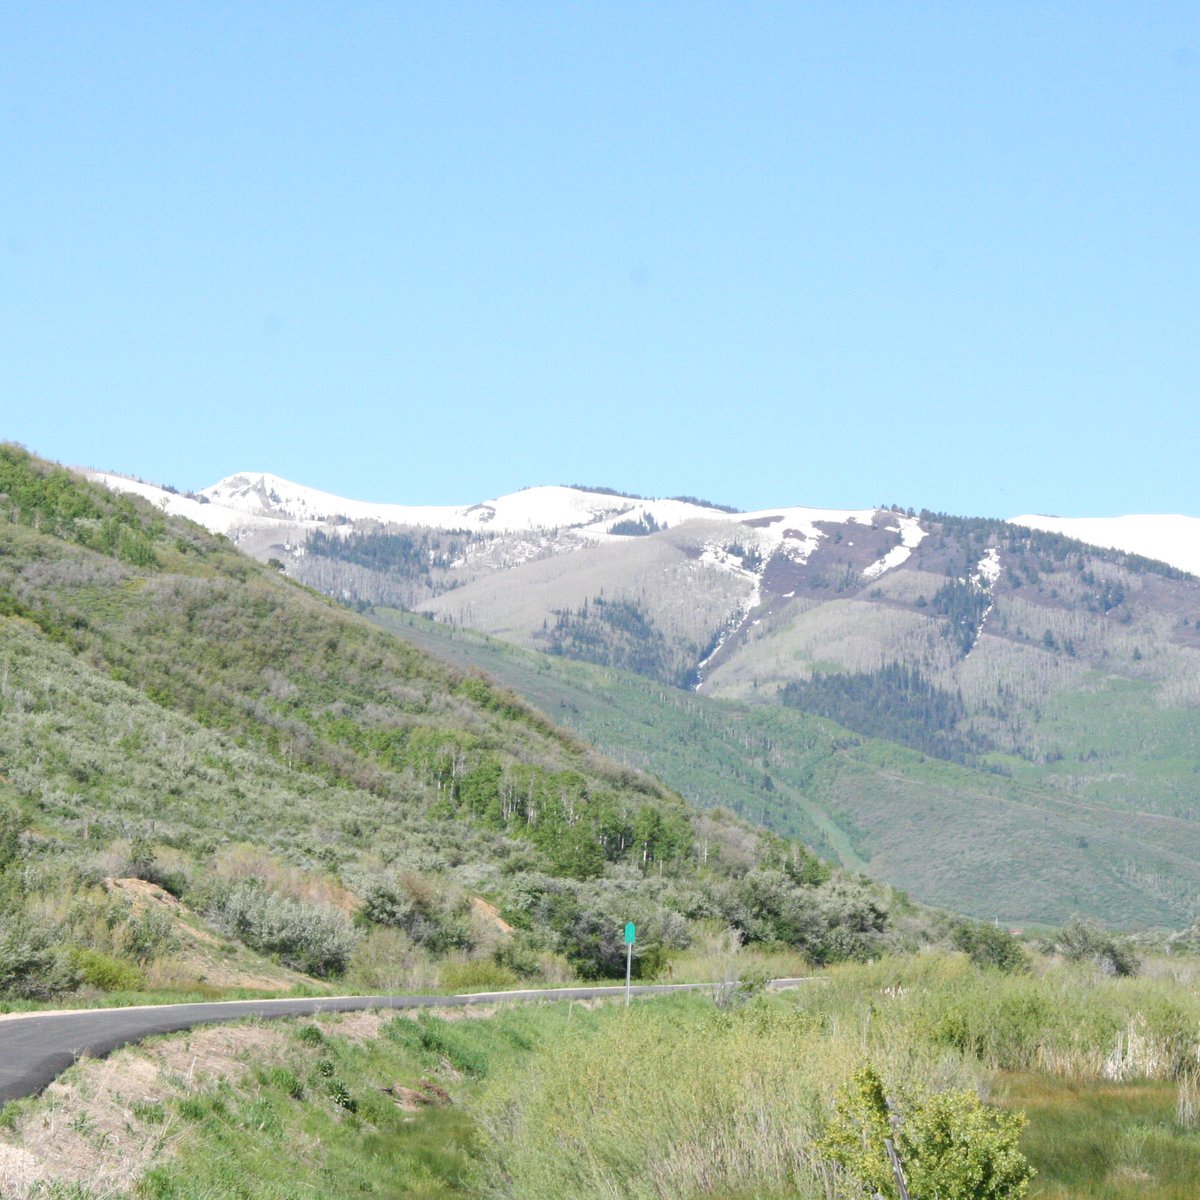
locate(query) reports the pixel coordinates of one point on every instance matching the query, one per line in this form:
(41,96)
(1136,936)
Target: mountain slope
(1171,538)
(1056,677)
(967,838)
(159,688)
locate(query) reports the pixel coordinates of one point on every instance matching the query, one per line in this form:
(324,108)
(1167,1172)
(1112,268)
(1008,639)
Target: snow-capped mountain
(1170,538)
(262,495)
(688,592)
(262,501)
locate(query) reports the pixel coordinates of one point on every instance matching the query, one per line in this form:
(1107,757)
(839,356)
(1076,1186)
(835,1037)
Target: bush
(409,904)
(12,822)
(151,934)
(477,975)
(990,946)
(949,1144)
(1087,941)
(31,966)
(306,937)
(103,971)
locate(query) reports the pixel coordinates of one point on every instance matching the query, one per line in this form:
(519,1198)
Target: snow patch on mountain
(893,558)
(911,536)
(987,570)
(785,527)
(795,532)
(1168,537)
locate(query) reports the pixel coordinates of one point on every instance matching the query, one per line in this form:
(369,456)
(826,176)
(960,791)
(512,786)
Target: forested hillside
(971,838)
(315,787)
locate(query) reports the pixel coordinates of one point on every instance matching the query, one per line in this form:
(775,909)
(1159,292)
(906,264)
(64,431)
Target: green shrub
(1085,940)
(990,946)
(948,1144)
(106,972)
(477,975)
(339,1093)
(151,934)
(307,937)
(12,822)
(32,966)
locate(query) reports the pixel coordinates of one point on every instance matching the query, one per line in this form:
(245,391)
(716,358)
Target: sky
(834,254)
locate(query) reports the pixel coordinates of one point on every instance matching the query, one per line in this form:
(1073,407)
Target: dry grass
(239,862)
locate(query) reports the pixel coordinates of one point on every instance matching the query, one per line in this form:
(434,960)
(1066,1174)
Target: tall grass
(680,1100)
(1068,1021)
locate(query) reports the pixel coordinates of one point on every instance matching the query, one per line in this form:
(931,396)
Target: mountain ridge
(1168,537)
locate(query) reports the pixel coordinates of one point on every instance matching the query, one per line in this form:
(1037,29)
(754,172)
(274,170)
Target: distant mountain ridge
(1060,680)
(1173,538)
(260,499)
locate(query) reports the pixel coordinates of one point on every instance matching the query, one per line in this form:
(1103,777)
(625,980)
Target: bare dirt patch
(203,956)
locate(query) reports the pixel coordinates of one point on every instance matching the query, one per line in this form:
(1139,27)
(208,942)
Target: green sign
(630,934)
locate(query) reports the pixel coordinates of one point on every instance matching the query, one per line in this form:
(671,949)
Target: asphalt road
(35,1048)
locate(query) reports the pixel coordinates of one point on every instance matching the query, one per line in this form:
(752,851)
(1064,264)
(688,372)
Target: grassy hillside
(1016,846)
(319,789)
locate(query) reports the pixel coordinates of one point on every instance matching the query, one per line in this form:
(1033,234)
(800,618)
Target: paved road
(35,1048)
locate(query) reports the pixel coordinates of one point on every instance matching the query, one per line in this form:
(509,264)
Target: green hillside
(312,784)
(1014,845)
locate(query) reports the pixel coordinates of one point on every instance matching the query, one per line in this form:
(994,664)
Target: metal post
(628,970)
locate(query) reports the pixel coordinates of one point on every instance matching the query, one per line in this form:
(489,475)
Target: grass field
(674,1099)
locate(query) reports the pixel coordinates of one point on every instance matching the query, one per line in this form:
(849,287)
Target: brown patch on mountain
(489,913)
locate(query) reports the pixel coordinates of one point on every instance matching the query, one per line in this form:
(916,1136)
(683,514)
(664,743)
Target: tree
(1085,940)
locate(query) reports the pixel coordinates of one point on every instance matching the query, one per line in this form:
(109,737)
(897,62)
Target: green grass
(1120,748)
(317,1121)
(1104,1141)
(677,1098)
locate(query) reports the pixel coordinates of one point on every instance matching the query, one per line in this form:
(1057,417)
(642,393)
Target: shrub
(307,937)
(410,904)
(1084,940)
(12,822)
(31,966)
(150,934)
(104,971)
(990,946)
(386,961)
(477,975)
(949,1144)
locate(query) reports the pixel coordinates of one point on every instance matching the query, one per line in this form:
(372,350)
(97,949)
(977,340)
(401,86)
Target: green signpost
(630,938)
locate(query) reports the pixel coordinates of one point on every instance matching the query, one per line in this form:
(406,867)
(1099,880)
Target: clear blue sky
(816,253)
